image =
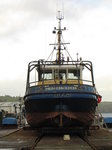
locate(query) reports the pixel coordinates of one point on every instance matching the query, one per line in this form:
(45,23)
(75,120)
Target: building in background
(10,107)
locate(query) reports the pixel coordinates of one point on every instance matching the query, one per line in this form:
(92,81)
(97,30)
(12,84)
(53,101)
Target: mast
(59,17)
(60,43)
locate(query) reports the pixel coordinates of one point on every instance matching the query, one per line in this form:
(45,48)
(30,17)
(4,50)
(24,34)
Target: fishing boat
(60,92)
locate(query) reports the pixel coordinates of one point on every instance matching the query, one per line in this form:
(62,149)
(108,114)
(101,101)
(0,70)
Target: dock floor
(25,139)
(57,143)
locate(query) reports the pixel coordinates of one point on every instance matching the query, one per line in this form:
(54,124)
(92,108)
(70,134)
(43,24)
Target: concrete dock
(57,143)
(27,139)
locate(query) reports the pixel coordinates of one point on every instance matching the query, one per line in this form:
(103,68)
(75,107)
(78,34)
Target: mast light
(60,15)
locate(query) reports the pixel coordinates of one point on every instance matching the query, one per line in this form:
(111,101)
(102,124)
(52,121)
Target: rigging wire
(51,54)
(67,49)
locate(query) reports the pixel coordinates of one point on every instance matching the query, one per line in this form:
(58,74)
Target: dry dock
(31,139)
(57,143)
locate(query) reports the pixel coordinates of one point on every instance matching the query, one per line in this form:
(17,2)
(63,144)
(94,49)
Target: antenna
(60,6)
(77,56)
(60,16)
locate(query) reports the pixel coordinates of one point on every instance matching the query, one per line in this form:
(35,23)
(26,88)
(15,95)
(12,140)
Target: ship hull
(60,109)
(65,119)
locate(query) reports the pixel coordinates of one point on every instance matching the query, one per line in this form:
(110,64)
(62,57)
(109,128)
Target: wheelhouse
(49,72)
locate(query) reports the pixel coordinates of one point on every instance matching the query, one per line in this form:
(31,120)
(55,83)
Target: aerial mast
(60,43)
(59,33)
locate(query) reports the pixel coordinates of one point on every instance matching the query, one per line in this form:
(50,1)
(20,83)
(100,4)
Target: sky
(26,31)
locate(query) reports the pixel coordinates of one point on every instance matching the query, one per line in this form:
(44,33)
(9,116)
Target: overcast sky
(26,31)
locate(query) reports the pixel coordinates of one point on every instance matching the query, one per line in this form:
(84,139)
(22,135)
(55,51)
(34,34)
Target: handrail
(35,65)
(51,81)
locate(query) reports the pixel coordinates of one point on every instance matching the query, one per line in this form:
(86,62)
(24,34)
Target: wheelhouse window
(62,74)
(53,74)
(73,74)
(47,75)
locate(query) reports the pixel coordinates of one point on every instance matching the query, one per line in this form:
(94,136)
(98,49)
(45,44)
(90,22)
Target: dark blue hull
(65,107)
(77,103)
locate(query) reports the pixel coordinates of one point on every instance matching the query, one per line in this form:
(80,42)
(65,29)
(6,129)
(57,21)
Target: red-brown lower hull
(60,118)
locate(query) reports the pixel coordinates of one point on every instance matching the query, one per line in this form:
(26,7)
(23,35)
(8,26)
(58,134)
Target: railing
(36,65)
(61,82)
